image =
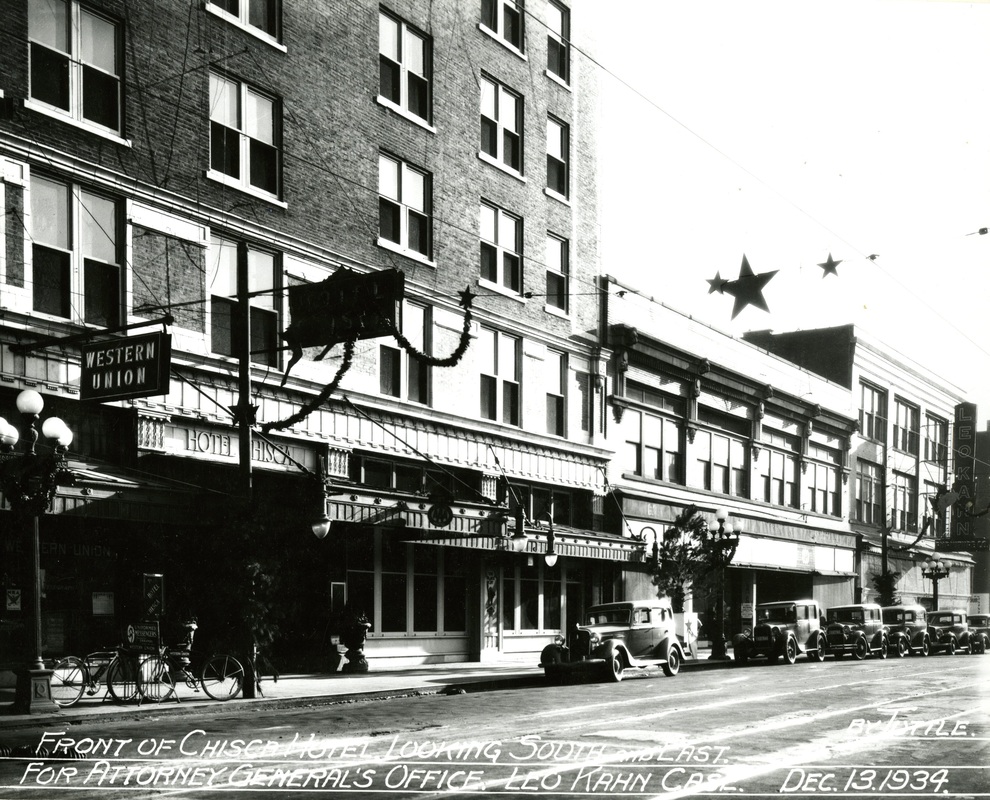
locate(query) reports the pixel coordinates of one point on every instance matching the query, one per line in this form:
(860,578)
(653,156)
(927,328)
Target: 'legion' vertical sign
(137,366)
(964,467)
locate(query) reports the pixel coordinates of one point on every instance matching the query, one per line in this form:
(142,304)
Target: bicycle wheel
(222,677)
(122,679)
(154,680)
(68,681)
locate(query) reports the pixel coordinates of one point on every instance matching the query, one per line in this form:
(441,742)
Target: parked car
(786,629)
(907,630)
(979,625)
(949,631)
(615,637)
(856,629)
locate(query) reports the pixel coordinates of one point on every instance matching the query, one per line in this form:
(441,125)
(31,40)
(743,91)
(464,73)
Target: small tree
(681,559)
(886,587)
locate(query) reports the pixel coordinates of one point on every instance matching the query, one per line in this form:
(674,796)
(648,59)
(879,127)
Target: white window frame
(907,427)
(500,10)
(406,174)
(76,71)
(403,62)
(420,338)
(243,21)
(244,94)
(74,248)
(503,353)
(558,154)
(504,226)
(496,97)
(556,386)
(559,269)
(558,34)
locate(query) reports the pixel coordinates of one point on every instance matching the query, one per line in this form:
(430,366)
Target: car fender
(553,654)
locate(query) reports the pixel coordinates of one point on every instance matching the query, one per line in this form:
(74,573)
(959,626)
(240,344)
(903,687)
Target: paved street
(912,727)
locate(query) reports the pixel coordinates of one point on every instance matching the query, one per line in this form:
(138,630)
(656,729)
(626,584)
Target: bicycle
(221,676)
(258,662)
(72,676)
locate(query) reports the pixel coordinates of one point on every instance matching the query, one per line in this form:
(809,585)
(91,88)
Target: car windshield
(942,619)
(608,616)
(776,614)
(897,617)
(845,615)
(979,621)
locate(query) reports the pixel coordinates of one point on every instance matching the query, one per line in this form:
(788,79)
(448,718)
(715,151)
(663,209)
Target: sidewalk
(380,682)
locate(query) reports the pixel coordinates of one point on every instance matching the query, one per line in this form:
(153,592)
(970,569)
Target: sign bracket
(52,341)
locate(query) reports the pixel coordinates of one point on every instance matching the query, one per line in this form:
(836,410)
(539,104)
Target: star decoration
(830,266)
(467,296)
(747,289)
(717,284)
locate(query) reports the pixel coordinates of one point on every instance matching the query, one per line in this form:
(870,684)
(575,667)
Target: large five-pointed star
(830,266)
(747,289)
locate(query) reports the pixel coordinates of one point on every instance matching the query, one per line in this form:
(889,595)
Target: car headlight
(595,639)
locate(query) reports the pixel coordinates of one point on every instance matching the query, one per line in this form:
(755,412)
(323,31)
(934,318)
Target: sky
(785,131)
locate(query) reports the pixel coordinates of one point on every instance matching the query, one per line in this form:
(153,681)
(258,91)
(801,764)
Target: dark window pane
(454,604)
(557,58)
(425,603)
(513,150)
(101,98)
(488,401)
(419,93)
(225,153)
(489,137)
(417,378)
(394,603)
(513,272)
(361,593)
(388,220)
(388,82)
(263,14)
(488,10)
(510,403)
(419,233)
(557,290)
(264,336)
(102,294)
(230,6)
(513,26)
(222,315)
(379,475)
(489,262)
(555,415)
(388,371)
(51,282)
(49,77)
(264,166)
(556,175)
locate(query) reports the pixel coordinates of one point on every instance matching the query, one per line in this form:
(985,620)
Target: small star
(830,266)
(747,289)
(716,284)
(873,256)
(467,297)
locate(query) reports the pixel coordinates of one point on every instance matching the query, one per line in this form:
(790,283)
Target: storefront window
(529,599)
(454,591)
(424,588)
(551,602)
(393,586)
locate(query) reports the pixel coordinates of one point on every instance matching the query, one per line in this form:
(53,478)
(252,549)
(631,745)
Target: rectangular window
(500,376)
(226,328)
(404,206)
(558,40)
(401,374)
(869,493)
(76,62)
(558,148)
(404,66)
(652,446)
(501,248)
(718,464)
(455,596)
(263,16)
(395,580)
(873,413)
(556,377)
(501,124)
(76,248)
(936,441)
(504,18)
(245,136)
(907,424)
(904,512)
(558,272)
(778,478)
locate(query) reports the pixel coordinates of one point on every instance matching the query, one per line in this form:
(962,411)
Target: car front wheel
(615,666)
(902,648)
(862,649)
(926,646)
(673,664)
(790,651)
(882,652)
(821,646)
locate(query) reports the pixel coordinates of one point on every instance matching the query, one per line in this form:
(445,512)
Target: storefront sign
(957,545)
(345,306)
(143,637)
(137,366)
(222,445)
(964,467)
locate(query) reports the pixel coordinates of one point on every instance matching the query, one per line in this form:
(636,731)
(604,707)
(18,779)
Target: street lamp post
(933,568)
(28,481)
(720,541)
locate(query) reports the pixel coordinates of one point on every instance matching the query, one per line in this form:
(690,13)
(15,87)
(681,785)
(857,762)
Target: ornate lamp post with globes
(719,542)
(28,481)
(933,568)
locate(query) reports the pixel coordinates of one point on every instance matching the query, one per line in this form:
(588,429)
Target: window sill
(48,111)
(556,196)
(407,115)
(231,183)
(494,162)
(506,44)
(388,244)
(558,80)
(557,312)
(499,289)
(257,33)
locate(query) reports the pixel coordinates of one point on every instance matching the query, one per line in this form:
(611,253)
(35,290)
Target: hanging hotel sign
(119,369)
(964,469)
(345,306)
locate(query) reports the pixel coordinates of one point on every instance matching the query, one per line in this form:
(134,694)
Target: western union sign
(119,369)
